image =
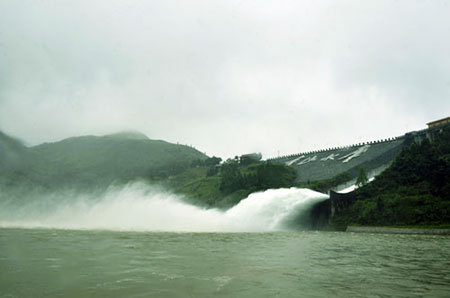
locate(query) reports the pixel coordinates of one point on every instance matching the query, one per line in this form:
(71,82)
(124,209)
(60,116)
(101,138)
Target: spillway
(139,208)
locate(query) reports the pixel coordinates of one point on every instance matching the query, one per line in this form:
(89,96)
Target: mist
(227,77)
(141,207)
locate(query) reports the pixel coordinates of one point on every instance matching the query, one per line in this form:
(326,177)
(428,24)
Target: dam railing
(336,148)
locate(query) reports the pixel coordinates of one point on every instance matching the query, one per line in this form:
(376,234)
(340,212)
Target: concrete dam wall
(373,157)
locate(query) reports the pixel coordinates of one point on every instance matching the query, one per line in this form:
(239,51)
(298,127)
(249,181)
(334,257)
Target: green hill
(12,153)
(17,162)
(94,161)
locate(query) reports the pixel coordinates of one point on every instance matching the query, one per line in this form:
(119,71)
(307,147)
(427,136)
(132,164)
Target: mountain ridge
(93,160)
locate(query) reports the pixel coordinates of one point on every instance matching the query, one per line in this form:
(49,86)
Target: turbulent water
(69,263)
(138,207)
(79,246)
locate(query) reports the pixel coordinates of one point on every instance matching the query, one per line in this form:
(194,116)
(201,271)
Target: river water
(91,263)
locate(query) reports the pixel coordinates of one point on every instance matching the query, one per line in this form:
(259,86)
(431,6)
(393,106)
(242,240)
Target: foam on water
(138,207)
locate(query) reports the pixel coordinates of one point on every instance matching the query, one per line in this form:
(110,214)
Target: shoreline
(391,230)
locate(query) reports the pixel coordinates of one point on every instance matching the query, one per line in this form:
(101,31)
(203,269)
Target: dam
(373,157)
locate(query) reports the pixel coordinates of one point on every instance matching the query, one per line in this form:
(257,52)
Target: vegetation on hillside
(325,185)
(414,190)
(231,182)
(18,164)
(92,162)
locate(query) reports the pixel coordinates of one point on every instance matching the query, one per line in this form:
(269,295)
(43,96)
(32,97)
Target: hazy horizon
(276,77)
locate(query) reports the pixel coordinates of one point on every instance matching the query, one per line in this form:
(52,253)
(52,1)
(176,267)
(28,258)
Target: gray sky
(228,77)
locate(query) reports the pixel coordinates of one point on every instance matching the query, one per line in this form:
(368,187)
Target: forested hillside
(415,190)
(225,186)
(17,163)
(92,161)
(12,152)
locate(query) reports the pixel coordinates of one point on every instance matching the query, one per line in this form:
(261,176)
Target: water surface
(69,263)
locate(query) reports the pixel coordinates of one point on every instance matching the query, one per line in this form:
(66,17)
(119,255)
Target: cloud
(227,77)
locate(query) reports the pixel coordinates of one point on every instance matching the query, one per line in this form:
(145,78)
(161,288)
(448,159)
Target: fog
(228,77)
(141,207)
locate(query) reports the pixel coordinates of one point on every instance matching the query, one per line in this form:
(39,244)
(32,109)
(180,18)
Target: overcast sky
(228,77)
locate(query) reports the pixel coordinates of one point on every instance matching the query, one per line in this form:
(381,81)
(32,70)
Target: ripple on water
(90,264)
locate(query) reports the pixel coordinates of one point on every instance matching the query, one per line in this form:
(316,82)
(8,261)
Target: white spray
(139,208)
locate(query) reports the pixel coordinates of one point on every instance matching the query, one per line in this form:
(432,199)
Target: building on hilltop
(438,123)
(429,133)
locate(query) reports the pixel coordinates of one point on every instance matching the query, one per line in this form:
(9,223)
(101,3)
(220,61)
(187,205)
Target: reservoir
(37,262)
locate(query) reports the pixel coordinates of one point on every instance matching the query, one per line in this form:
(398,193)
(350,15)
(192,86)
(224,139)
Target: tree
(231,177)
(212,161)
(274,175)
(362,178)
